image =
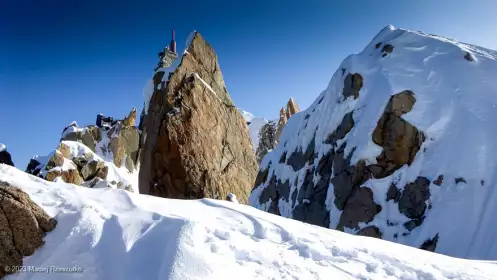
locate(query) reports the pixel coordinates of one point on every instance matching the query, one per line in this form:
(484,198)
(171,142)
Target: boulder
(195,141)
(5,156)
(70,176)
(64,150)
(89,171)
(57,160)
(23,224)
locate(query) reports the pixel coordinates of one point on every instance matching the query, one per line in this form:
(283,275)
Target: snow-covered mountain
(254,124)
(401,145)
(114,234)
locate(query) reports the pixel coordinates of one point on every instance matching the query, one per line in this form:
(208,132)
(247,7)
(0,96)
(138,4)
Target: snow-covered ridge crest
(401,141)
(208,239)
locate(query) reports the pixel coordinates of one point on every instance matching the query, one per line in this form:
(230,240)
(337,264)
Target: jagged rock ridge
(94,156)
(195,142)
(291,108)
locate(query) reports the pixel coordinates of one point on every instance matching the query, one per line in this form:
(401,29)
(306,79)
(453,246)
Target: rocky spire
(291,108)
(196,143)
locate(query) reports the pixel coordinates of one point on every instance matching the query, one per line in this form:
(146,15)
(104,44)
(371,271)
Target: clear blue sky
(69,60)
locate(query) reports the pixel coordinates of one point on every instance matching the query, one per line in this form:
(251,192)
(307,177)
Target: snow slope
(254,124)
(456,108)
(114,234)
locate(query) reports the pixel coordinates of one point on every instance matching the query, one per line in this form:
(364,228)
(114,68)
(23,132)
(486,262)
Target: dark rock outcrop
(400,142)
(195,142)
(399,139)
(352,85)
(412,202)
(23,226)
(359,208)
(5,156)
(430,244)
(371,231)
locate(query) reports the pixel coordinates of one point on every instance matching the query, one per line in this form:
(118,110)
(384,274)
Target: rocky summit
(393,148)
(196,143)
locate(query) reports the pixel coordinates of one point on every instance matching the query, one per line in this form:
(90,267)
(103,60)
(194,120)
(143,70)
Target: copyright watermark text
(42,269)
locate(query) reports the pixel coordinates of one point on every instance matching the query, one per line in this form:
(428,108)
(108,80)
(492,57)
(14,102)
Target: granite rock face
(23,226)
(195,141)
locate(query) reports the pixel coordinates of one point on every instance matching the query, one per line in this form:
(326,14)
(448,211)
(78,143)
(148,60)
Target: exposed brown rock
(130,119)
(352,85)
(378,45)
(285,114)
(371,231)
(56,160)
(102,172)
(64,150)
(70,176)
(291,108)
(359,208)
(400,140)
(23,225)
(89,171)
(195,142)
(125,144)
(81,161)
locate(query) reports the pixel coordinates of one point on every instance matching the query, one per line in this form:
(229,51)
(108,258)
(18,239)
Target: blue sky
(69,60)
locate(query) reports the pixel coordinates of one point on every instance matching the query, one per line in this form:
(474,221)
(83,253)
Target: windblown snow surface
(456,109)
(254,124)
(114,234)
